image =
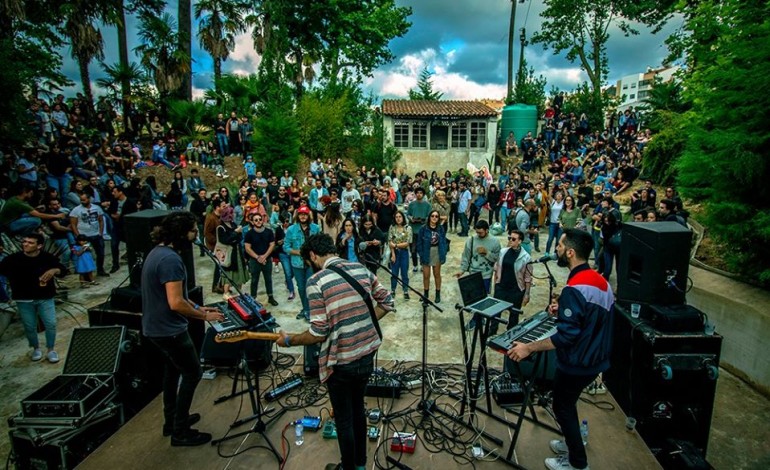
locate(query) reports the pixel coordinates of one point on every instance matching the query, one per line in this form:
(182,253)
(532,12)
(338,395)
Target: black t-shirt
(385,215)
(23,273)
(508,275)
(161,266)
(272,192)
(259,241)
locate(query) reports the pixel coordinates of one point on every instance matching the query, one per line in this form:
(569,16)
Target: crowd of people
(73,190)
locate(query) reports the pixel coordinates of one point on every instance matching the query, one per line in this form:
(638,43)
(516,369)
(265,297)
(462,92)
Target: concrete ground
(740,437)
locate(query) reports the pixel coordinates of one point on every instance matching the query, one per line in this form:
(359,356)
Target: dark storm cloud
(486,63)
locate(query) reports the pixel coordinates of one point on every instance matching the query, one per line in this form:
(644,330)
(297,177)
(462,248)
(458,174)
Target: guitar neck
(262,336)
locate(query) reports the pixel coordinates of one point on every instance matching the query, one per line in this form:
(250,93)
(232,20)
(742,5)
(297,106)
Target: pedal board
(330,430)
(403,442)
(311,423)
(507,393)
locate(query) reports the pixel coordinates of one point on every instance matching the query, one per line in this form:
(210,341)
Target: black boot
(438,296)
(426,294)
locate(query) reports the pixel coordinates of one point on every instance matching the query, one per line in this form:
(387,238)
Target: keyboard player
(582,342)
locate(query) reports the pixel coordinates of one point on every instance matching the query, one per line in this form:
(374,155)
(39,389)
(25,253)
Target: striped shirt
(340,315)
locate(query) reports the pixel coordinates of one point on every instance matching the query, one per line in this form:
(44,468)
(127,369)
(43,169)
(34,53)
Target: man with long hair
(166,309)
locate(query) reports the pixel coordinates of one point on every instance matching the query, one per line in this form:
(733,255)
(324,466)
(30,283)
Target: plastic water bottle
(584,431)
(299,433)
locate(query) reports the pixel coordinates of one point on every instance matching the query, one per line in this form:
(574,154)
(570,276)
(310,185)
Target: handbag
(223,253)
(367,298)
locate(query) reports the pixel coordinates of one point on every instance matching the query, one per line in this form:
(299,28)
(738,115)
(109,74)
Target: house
(440,135)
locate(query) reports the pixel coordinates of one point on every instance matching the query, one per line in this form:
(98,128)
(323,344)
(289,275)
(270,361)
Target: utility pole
(520,76)
(509,97)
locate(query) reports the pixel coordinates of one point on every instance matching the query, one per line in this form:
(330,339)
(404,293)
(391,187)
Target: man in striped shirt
(342,322)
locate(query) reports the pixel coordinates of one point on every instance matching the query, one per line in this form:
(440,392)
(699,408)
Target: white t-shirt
(88,219)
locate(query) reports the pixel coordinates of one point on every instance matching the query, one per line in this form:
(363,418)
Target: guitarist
(349,334)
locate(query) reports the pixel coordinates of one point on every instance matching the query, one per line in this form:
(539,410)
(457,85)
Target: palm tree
(185,46)
(220,22)
(159,54)
(85,39)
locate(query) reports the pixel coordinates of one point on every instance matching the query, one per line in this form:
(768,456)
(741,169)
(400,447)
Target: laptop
(475,298)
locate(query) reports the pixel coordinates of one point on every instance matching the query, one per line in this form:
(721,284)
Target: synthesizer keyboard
(535,328)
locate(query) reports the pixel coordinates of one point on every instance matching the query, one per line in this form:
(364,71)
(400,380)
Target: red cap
(303,210)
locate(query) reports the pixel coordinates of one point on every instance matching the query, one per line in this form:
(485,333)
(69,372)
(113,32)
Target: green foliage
(424,90)
(321,123)
(188,117)
(236,93)
(530,89)
(725,163)
(160,55)
(665,148)
(583,99)
(219,22)
(276,140)
(376,151)
(664,99)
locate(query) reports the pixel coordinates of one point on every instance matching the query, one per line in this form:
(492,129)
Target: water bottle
(584,431)
(299,433)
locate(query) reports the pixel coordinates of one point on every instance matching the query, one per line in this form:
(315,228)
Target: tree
(159,54)
(530,89)
(276,133)
(86,42)
(726,162)
(583,100)
(219,22)
(424,90)
(581,29)
(184,38)
(322,125)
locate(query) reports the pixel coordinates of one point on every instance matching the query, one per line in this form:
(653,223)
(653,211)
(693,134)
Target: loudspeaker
(258,352)
(666,381)
(138,227)
(654,262)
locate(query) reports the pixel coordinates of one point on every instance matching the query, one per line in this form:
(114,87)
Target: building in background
(632,90)
(440,135)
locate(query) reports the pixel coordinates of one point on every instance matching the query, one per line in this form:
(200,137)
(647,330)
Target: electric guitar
(242,335)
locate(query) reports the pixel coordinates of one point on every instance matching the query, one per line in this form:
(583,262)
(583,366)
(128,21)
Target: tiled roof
(422,108)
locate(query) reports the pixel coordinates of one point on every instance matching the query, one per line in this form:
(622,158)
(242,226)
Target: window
(643,94)
(420,135)
(633,85)
(401,135)
(478,135)
(645,83)
(632,96)
(460,135)
(625,87)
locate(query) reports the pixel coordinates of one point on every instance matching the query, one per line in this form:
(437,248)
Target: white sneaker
(219,174)
(52,357)
(558,446)
(107,237)
(36,355)
(560,463)
(275,270)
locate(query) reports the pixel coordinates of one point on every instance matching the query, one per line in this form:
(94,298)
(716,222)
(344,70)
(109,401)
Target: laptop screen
(472,288)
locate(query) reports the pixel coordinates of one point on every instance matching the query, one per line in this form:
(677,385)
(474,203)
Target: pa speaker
(666,381)
(654,262)
(139,226)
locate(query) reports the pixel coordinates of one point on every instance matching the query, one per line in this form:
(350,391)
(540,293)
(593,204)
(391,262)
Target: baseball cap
(303,210)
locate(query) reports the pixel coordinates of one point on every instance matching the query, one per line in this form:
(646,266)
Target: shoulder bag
(223,253)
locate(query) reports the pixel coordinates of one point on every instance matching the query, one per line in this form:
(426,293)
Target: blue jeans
(29,310)
(400,266)
(222,145)
(346,391)
(554,232)
(61,183)
(287,271)
(63,249)
(98,243)
(504,212)
(595,234)
(180,360)
(24,224)
(301,275)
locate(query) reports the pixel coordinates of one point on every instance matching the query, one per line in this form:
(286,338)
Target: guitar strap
(367,298)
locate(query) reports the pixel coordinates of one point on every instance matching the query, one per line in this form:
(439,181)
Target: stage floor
(140,444)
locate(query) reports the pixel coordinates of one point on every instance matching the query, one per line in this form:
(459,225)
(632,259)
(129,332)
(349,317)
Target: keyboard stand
(480,336)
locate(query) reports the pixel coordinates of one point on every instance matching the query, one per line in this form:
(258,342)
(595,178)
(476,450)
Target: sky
(463,43)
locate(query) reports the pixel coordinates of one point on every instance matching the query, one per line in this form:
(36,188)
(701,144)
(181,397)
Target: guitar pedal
(403,442)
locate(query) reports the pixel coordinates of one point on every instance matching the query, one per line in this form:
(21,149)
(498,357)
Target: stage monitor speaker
(258,352)
(653,263)
(139,226)
(666,381)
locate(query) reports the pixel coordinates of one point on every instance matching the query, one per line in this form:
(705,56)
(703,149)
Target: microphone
(545,258)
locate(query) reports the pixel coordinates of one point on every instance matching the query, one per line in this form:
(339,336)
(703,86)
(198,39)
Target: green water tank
(519,119)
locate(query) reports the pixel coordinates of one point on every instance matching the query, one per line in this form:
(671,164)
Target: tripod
(259,426)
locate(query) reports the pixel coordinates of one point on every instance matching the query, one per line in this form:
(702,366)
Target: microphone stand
(424,405)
